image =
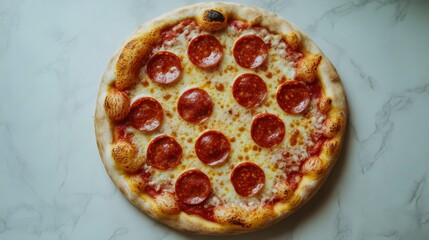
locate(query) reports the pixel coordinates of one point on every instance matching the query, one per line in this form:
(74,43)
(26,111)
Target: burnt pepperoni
(195,105)
(212,148)
(293,97)
(205,51)
(192,187)
(250,51)
(164,153)
(146,114)
(267,130)
(164,67)
(247,179)
(249,90)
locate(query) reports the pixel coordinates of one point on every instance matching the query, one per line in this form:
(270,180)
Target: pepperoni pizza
(219,118)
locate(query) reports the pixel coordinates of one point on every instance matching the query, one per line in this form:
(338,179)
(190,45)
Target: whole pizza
(219,118)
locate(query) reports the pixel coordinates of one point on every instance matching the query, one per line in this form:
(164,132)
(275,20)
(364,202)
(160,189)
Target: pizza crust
(121,72)
(213,19)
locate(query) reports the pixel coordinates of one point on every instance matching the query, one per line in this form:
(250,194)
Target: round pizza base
(309,184)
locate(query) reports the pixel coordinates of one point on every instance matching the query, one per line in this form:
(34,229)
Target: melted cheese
(228,117)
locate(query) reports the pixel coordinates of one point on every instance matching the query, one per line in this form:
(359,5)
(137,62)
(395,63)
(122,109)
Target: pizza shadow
(320,200)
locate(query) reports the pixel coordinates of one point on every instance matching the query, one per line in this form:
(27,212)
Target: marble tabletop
(54,186)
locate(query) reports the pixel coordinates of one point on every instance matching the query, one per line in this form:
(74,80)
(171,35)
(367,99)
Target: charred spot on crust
(237,221)
(214,16)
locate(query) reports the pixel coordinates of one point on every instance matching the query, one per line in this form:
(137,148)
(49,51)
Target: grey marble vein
(118,232)
(344,9)
(371,81)
(276,5)
(417,191)
(378,142)
(9,18)
(342,226)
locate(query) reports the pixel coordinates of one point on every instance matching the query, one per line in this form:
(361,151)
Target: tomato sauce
(172,32)
(120,132)
(293,179)
(238,24)
(151,191)
(200,209)
(316,90)
(318,140)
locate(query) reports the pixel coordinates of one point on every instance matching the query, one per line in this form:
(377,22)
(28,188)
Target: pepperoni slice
(164,67)
(212,148)
(205,51)
(164,153)
(250,51)
(247,179)
(249,90)
(267,130)
(293,97)
(195,105)
(146,114)
(192,187)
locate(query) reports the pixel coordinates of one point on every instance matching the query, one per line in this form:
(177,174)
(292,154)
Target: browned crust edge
(309,183)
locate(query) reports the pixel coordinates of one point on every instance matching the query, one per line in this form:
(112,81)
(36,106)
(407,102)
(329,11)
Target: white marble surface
(54,186)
